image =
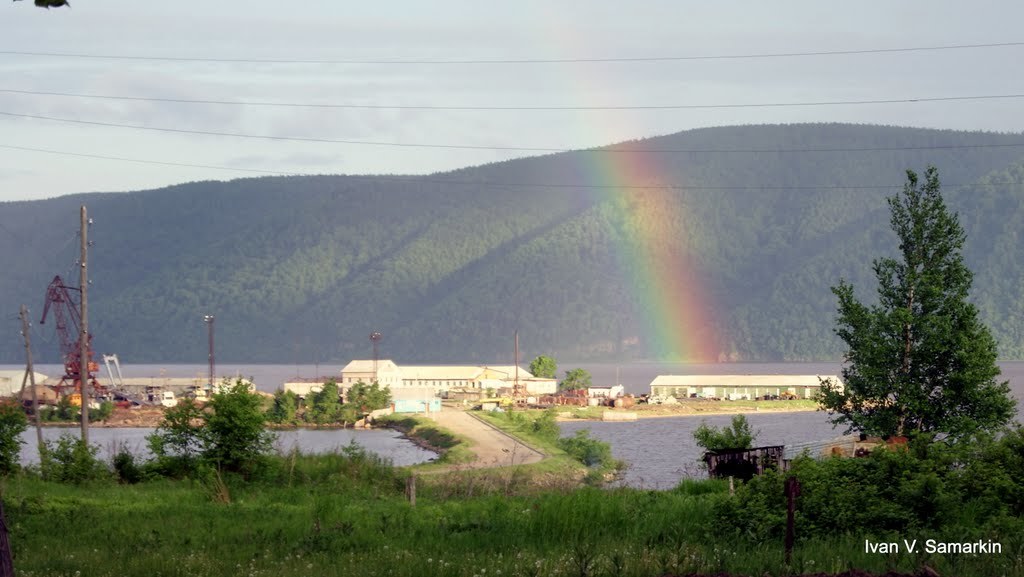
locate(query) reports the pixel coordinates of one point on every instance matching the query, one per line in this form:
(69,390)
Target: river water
(659,451)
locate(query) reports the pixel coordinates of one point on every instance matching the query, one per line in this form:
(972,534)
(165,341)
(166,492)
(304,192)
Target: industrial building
(419,388)
(737,387)
(414,400)
(11,381)
(442,378)
(383,371)
(606,392)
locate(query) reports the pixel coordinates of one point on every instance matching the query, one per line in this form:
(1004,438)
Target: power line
(609,150)
(400,61)
(157,162)
(416,179)
(517,108)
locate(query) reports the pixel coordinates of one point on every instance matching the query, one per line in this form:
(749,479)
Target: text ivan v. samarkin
(932,546)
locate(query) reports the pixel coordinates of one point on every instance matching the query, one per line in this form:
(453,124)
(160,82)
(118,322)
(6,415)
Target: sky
(385,69)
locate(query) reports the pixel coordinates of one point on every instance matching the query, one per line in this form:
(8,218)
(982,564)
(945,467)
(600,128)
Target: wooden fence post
(410,489)
(792,491)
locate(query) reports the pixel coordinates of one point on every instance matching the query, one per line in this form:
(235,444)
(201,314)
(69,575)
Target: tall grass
(345,513)
(329,526)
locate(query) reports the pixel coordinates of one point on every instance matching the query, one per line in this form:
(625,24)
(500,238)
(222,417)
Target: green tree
(284,408)
(228,432)
(177,441)
(234,436)
(575,379)
(368,398)
(325,405)
(64,410)
(544,367)
(736,436)
(919,360)
(12,424)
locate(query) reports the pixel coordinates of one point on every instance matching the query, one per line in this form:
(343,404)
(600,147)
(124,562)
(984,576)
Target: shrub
(228,433)
(71,460)
(590,452)
(546,426)
(12,424)
(127,470)
(888,491)
(103,413)
(736,436)
(178,441)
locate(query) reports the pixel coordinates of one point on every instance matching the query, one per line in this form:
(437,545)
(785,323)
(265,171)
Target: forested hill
(302,269)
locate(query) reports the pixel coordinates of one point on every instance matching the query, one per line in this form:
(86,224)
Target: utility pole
(31,375)
(515,385)
(83,369)
(208,319)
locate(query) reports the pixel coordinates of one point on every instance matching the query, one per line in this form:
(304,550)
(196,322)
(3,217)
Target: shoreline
(682,411)
(564,416)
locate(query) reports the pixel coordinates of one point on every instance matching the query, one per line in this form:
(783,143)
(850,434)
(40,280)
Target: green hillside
(302,269)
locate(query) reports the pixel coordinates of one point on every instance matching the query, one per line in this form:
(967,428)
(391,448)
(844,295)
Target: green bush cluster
(71,460)
(591,452)
(64,411)
(228,433)
(12,424)
(928,486)
(325,407)
(736,436)
(546,425)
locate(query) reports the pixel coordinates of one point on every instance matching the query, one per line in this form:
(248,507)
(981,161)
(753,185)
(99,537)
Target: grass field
(347,513)
(340,518)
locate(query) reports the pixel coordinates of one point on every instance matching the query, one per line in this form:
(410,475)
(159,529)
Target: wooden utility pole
(31,375)
(83,342)
(6,559)
(208,319)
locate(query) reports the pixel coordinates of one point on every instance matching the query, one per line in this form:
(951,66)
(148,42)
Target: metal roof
(741,380)
(441,372)
(366,366)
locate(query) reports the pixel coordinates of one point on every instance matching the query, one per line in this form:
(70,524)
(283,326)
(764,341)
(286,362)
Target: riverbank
(150,417)
(691,409)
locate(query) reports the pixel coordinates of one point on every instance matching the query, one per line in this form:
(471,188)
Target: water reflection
(661,451)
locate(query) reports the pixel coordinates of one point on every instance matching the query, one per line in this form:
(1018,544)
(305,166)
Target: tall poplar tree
(919,360)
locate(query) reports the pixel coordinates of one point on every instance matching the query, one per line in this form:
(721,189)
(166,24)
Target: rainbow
(674,309)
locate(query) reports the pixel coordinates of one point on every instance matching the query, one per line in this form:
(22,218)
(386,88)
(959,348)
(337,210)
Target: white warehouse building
(736,387)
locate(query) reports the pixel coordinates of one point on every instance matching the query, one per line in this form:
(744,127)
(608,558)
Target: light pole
(208,319)
(375,338)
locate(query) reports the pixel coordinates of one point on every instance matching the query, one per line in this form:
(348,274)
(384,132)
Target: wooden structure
(743,463)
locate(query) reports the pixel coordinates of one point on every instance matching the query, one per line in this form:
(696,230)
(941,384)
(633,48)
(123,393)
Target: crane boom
(60,298)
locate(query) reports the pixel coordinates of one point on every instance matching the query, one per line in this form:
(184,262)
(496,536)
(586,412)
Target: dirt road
(492,447)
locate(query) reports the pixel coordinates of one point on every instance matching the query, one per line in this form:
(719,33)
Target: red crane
(65,310)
